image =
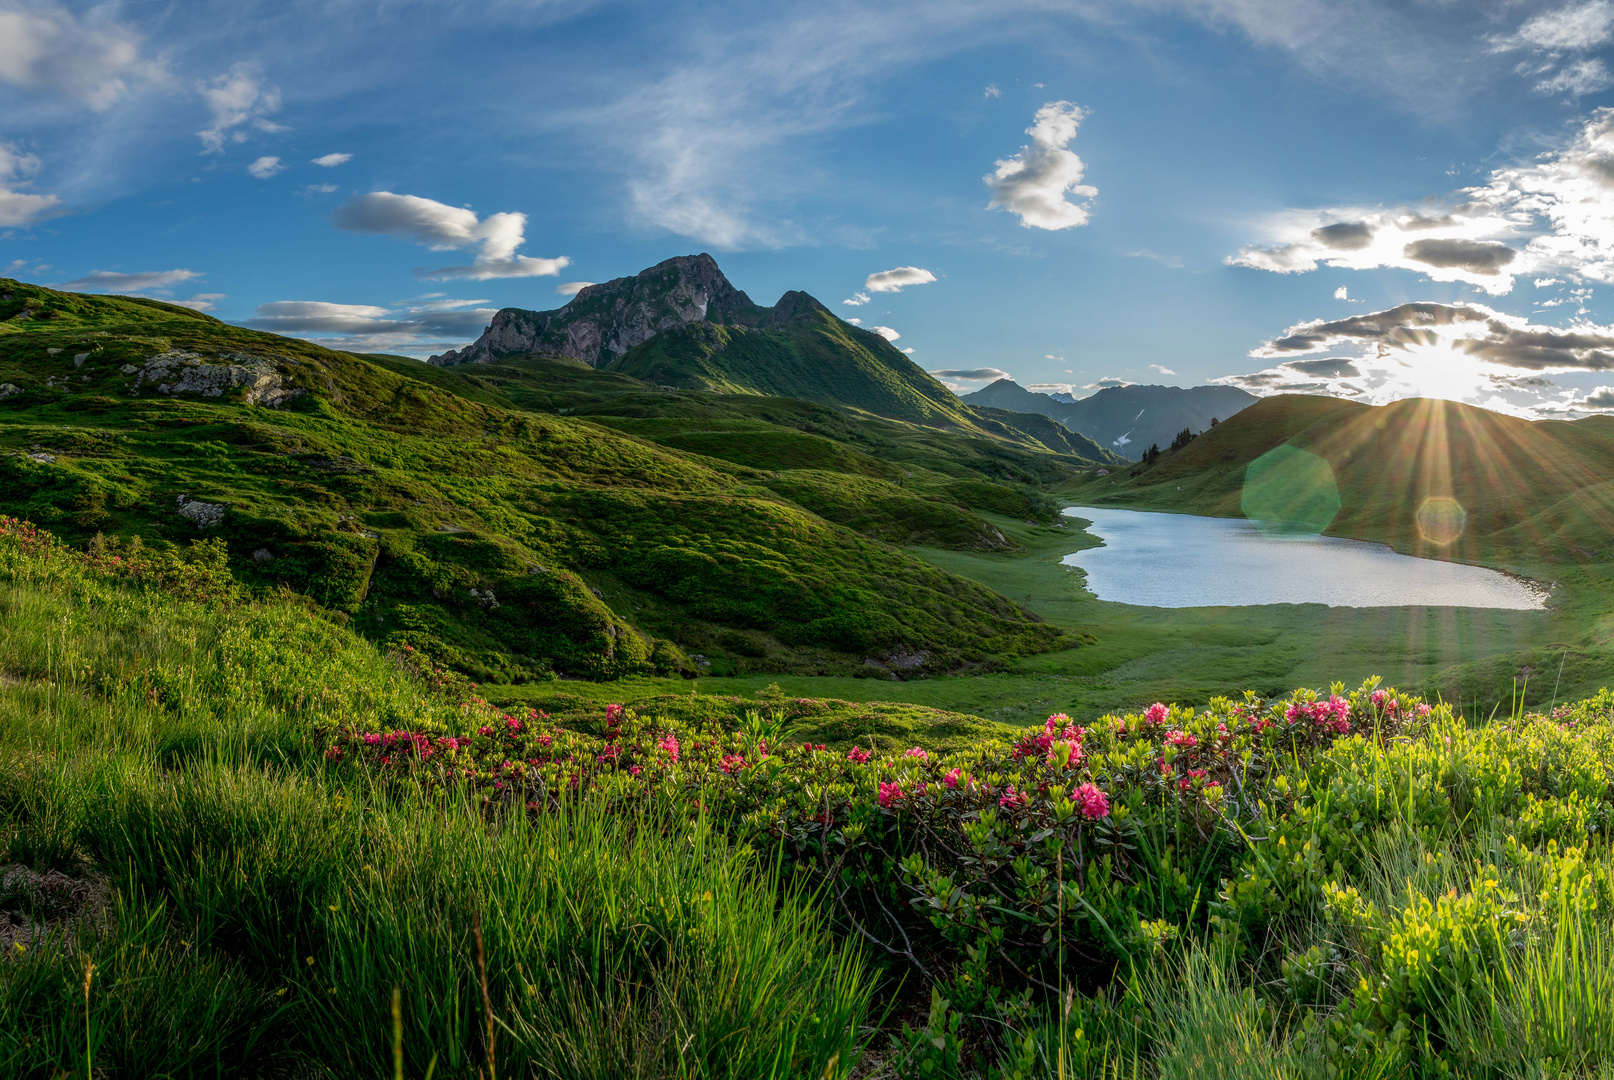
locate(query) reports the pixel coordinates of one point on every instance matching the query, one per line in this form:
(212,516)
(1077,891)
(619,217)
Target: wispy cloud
(239,98)
(329,161)
(265,167)
(48,50)
(414,327)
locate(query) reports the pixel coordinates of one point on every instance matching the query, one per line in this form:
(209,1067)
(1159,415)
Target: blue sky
(1356,197)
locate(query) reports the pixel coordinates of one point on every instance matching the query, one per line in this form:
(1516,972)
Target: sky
(1364,198)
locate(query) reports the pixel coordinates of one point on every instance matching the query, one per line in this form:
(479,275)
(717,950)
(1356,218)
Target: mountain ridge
(1114,417)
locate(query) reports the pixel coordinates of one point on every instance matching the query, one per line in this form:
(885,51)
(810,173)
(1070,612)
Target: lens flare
(1441,519)
(1290,490)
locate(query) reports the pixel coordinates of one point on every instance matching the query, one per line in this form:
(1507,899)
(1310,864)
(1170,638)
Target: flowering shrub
(200,572)
(1084,837)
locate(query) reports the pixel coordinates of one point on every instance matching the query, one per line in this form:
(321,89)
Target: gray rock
(204,515)
(263,555)
(604,321)
(181,372)
(79,358)
(9,390)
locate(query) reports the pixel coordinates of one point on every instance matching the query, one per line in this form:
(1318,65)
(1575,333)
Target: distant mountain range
(1123,419)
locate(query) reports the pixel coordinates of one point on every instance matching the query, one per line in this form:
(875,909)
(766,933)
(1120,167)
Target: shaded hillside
(801,350)
(424,509)
(1125,419)
(1529,489)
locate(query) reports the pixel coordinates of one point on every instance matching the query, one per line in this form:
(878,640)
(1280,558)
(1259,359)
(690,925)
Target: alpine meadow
(1125,591)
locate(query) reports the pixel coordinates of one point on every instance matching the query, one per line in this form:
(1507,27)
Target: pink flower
(1012,798)
(889,792)
(613,713)
(371,738)
(544,740)
(333,753)
(484,730)
(1157,714)
(1423,710)
(732,763)
(951,779)
(1182,740)
(670,745)
(916,752)
(513,724)
(634,770)
(857,756)
(1092,802)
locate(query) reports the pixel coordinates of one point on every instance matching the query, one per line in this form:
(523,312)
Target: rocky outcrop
(181,372)
(604,321)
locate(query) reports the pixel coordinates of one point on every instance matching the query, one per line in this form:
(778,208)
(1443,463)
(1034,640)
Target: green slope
(425,508)
(803,352)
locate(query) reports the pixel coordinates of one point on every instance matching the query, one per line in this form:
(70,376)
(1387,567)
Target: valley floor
(1470,657)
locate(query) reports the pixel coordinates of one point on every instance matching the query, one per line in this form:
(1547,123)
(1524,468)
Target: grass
(436,509)
(1428,904)
(263,910)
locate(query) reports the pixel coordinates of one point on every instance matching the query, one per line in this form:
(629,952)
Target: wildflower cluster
(1072,832)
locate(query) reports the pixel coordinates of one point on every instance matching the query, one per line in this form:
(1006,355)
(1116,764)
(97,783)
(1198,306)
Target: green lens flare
(1288,490)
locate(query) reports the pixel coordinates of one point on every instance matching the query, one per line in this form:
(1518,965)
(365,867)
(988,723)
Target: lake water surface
(1178,560)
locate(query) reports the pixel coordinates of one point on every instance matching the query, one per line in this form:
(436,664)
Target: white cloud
(204,301)
(894,280)
(978,374)
(319,189)
(1542,283)
(265,167)
(857,299)
(855,322)
(886,332)
(332,160)
(1035,182)
(1342,293)
(139,282)
(1050,387)
(993,91)
(441,227)
(1162,370)
(415,327)
(1460,352)
(238,97)
(21,207)
(1552,216)
(908,350)
(572,288)
(47,49)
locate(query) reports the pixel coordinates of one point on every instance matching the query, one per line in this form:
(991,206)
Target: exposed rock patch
(204,515)
(181,372)
(9,390)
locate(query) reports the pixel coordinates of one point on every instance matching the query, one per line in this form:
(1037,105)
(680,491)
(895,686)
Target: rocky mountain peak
(604,321)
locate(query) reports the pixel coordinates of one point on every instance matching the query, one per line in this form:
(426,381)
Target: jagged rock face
(604,321)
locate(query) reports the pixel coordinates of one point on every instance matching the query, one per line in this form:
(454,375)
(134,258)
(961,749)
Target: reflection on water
(1177,560)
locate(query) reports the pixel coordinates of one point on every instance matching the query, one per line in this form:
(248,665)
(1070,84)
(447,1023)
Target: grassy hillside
(237,839)
(509,542)
(810,355)
(1537,491)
